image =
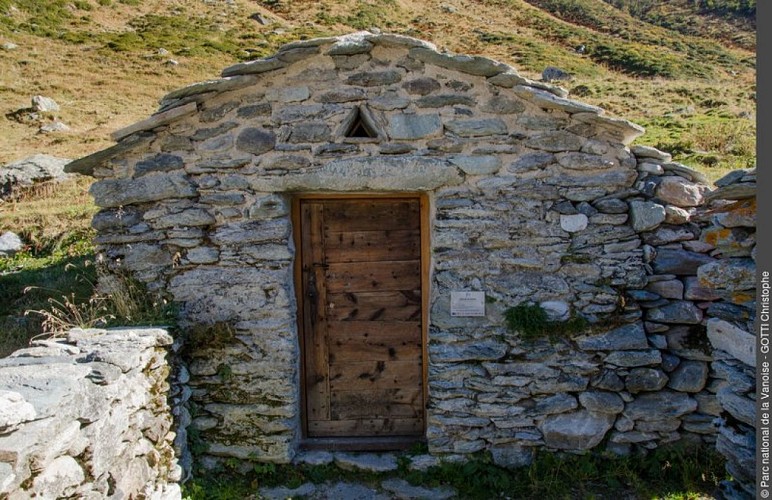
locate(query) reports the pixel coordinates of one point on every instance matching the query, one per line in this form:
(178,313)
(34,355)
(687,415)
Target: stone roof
(185,101)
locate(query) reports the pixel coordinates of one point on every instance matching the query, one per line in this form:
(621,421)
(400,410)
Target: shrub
(531,322)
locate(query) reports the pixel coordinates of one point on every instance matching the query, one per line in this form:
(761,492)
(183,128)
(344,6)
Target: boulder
(551,74)
(29,171)
(44,104)
(10,243)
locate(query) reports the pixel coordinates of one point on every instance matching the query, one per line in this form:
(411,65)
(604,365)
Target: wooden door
(361,306)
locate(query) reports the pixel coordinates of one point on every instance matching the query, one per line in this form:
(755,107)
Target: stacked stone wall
(86,416)
(535,199)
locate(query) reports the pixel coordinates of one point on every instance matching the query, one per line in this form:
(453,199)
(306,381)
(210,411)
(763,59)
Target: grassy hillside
(685,69)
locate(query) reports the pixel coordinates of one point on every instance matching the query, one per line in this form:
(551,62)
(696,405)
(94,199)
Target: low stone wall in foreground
(86,416)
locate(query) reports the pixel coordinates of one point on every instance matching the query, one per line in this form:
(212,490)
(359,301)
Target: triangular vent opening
(360,128)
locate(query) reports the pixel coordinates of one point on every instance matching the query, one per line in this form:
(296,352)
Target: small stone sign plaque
(467,303)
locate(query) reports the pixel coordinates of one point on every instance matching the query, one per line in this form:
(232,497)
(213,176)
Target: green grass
(712,143)
(674,472)
(29,282)
(50,285)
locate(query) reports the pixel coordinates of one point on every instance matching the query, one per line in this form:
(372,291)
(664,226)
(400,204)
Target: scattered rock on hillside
(53,127)
(259,18)
(10,243)
(551,74)
(9,46)
(44,104)
(29,171)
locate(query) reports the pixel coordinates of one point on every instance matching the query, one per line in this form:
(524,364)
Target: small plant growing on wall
(532,322)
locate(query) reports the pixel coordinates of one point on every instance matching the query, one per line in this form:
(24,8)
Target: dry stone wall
(534,198)
(86,416)
(730,324)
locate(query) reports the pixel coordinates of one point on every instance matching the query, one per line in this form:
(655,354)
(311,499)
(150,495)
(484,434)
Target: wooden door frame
(362,443)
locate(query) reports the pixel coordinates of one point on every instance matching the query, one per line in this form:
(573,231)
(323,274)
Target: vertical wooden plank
(314,305)
(425,296)
(297,235)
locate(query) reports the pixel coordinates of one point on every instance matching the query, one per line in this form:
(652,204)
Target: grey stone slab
(660,405)
(733,340)
(503,105)
(474,65)
(645,379)
(581,430)
(477,128)
(634,358)
(733,275)
(477,165)
(646,215)
(584,161)
(545,99)
(488,350)
(120,192)
(442,100)
(670,289)
(625,337)
(680,312)
(369,462)
(255,140)
(421,86)
(676,190)
(741,408)
(679,262)
(690,376)
(87,164)
(414,126)
(742,191)
(403,490)
(650,152)
(556,142)
(253,67)
(559,403)
(344,94)
(686,172)
(374,78)
(533,161)
(157,120)
(398,173)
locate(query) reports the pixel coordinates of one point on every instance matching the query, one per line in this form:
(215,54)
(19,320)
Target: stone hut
(349,228)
